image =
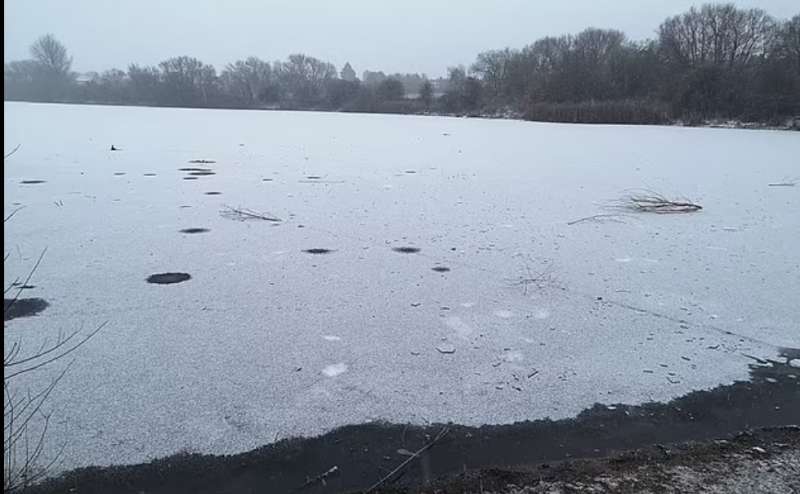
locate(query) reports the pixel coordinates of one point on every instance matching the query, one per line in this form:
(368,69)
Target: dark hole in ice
(31,182)
(22,307)
(167,278)
(406,250)
(266,180)
(119,173)
(202,161)
(313,177)
(190,178)
(202,173)
(149,174)
(318,251)
(194,169)
(441,269)
(195,230)
(411,171)
(213,193)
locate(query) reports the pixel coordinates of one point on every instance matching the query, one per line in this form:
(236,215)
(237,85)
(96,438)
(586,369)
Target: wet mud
(363,454)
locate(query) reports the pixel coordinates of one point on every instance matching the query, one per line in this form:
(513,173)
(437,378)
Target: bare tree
(304,78)
(51,55)
(187,80)
(248,79)
(716,34)
(426,94)
(493,68)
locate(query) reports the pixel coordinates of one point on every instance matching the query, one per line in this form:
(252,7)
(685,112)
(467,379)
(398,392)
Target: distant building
(348,74)
(86,78)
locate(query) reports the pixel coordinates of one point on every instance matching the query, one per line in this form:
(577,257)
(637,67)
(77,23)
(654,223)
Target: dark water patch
(318,251)
(202,161)
(168,278)
(406,250)
(266,180)
(190,178)
(365,453)
(195,230)
(194,169)
(32,182)
(202,173)
(313,177)
(213,193)
(119,174)
(410,172)
(149,174)
(22,307)
(441,269)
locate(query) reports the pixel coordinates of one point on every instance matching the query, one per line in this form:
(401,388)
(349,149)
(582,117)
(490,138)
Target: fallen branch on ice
(243,214)
(651,202)
(600,218)
(10,153)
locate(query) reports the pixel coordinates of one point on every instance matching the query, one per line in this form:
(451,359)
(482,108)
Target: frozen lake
(506,313)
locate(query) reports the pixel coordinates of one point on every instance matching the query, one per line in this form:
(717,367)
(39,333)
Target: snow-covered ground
(535,318)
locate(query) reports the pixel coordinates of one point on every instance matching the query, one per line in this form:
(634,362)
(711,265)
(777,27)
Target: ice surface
(243,351)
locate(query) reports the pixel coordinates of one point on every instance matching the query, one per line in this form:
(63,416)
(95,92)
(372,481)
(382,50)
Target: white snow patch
(512,356)
(329,337)
(334,370)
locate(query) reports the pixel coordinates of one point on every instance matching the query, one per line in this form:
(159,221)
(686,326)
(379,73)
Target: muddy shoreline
(363,454)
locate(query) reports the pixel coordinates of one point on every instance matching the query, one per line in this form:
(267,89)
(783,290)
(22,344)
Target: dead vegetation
(537,279)
(646,201)
(244,214)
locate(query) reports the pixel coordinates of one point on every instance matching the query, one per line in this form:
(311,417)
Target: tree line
(713,62)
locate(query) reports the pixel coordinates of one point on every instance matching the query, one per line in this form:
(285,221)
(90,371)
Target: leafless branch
(411,458)
(651,202)
(600,218)
(10,153)
(12,213)
(7,306)
(243,214)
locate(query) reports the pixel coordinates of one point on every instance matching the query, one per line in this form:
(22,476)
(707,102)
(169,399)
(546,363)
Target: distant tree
(340,92)
(145,84)
(51,55)
(493,68)
(248,80)
(187,81)
(390,90)
(304,78)
(426,94)
(53,76)
(716,34)
(373,78)
(113,86)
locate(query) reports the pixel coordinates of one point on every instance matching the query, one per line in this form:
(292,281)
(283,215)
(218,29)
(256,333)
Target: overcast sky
(397,36)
